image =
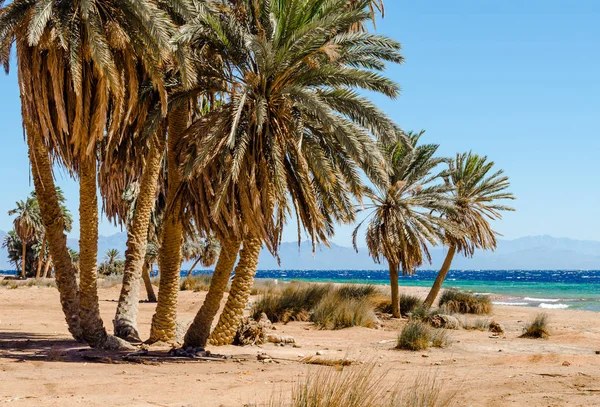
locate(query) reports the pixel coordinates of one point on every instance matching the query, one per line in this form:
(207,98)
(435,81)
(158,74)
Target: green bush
(415,336)
(455,301)
(408,303)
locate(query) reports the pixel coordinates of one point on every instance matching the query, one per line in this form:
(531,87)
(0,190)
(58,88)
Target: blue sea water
(560,289)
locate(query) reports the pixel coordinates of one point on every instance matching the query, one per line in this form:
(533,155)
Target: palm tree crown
(475,193)
(402,223)
(290,129)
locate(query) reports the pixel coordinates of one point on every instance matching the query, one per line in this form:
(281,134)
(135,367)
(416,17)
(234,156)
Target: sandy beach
(42,366)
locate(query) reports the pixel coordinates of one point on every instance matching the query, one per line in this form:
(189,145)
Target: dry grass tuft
(480,324)
(408,304)
(538,328)
(337,311)
(414,336)
(362,386)
(314,360)
(199,282)
(30,282)
(292,303)
(461,302)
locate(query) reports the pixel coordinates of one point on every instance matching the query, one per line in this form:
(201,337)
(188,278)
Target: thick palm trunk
(125,322)
(439,280)
(148,283)
(52,218)
(395,294)
(23,258)
(243,280)
(38,272)
(198,332)
(169,254)
(89,309)
(189,272)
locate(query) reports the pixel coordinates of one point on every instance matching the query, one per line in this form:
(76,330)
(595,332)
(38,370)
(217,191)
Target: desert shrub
(357,291)
(116,267)
(538,328)
(362,386)
(337,311)
(199,282)
(408,303)
(440,338)
(293,303)
(30,282)
(465,303)
(480,324)
(495,327)
(415,336)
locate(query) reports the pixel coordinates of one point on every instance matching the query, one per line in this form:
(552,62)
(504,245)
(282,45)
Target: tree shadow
(27,346)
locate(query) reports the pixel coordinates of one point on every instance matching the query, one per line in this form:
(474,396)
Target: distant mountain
(527,253)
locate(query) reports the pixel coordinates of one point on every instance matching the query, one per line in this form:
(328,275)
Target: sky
(518,81)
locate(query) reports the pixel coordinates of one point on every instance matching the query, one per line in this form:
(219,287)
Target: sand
(40,365)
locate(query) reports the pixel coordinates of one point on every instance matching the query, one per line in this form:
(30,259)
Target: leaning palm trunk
(125,322)
(148,282)
(38,272)
(48,268)
(239,293)
(439,280)
(89,309)
(189,272)
(395,295)
(169,254)
(23,258)
(198,332)
(52,218)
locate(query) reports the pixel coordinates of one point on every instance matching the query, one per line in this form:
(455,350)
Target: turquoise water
(549,289)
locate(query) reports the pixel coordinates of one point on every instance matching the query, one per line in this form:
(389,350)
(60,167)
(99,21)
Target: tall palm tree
(71,56)
(290,130)
(402,222)
(476,192)
(26,225)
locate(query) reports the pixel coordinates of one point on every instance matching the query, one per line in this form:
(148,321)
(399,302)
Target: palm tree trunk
(23,258)
(169,254)
(148,283)
(439,280)
(125,321)
(38,273)
(395,295)
(189,272)
(48,267)
(89,309)
(243,280)
(199,330)
(52,218)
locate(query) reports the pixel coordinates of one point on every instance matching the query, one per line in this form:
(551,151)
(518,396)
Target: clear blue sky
(516,80)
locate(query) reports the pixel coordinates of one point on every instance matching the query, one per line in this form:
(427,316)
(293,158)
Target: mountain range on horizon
(526,253)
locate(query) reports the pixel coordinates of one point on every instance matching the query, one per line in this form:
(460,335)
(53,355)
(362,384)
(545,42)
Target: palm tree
(26,224)
(111,256)
(73,55)
(203,252)
(475,193)
(13,246)
(401,220)
(289,131)
(150,259)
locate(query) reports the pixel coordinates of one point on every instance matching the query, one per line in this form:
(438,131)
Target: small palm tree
(27,224)
(402,224)
(112,256)
(204,252)
(476,192)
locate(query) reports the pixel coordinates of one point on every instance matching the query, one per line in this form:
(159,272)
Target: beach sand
(40,365)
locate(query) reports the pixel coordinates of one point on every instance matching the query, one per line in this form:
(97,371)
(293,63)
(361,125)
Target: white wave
(541,299)
(554,306)
(509,303)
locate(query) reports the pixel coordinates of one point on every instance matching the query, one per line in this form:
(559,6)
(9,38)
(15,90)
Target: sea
(545,289)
